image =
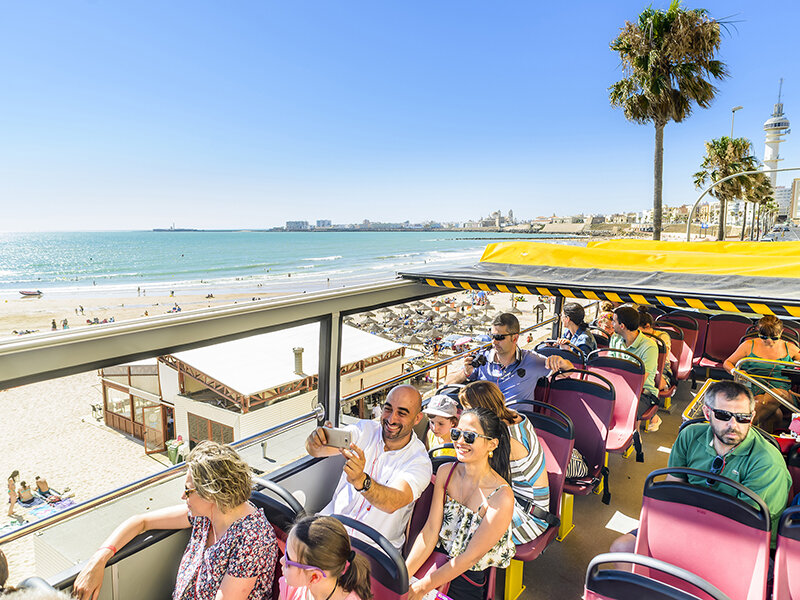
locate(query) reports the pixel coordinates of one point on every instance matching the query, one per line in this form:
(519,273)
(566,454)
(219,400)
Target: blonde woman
(232,550)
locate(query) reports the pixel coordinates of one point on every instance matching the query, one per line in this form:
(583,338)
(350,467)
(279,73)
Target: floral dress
(248,548)
(459,524)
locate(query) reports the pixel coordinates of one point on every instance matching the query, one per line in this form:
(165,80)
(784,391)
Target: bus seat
(437,559)
(654,310)
(786,585)
(389,574)
(613,584)
(722,338)
(589,403)
(281,512)
(626,372)
(550,347)
(793,464)
(600,337)
(680,351)
(701,320)
(722,539)
(556,436)
(422,506)
(668,391)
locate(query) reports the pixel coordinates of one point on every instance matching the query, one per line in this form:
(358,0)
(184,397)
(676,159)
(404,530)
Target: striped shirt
(524,473)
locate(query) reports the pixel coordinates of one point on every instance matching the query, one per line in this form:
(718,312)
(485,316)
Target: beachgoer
(529,479)
(514,370)
(232,549)
(320,564)
(471,511)
(442,414)
(12,492)
(44,490)
(53,325)
(386,468)
(769,346)
(25,493)
(576,331)
(646,325)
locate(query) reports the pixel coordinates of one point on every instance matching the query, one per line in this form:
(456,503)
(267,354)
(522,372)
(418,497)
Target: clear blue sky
(117,114)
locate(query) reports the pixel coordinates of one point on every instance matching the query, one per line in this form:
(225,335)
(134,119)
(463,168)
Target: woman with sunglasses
(769,346)
(471,510)
(319,563)
(232,549)
(529,479)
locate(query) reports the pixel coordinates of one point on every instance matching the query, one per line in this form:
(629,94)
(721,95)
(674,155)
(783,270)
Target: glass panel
(119,402)
(138,404)
(198,428)
(153,432)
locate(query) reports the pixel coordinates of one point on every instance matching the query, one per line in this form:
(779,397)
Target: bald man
(386,468)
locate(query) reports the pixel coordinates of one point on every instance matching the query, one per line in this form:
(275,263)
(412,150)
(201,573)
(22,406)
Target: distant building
(323,222)
(783,198)
(297,225)
(794,203)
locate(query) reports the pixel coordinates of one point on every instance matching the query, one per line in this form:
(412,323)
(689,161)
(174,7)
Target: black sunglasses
(769,337)
(500,336)
(724,415)
(717,467)
(469,436)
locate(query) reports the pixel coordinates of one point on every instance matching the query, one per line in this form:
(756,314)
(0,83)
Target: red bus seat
(722,338)
(786,583)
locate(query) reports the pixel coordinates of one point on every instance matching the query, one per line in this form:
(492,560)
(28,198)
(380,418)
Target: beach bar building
(229,391)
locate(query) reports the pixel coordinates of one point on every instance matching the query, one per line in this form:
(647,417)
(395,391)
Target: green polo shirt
(755,463)
(646,349)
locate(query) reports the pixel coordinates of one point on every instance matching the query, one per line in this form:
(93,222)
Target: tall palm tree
(726,156)
(761,192)
(668,61)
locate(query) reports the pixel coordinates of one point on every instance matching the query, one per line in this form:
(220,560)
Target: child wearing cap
(442,414)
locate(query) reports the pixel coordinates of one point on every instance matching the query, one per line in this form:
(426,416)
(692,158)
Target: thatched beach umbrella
(369,321)
(515,311)
(368,314)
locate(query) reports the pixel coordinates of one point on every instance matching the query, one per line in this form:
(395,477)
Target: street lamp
(733,114)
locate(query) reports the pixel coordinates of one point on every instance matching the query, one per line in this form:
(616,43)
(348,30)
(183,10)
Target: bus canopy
(744,277)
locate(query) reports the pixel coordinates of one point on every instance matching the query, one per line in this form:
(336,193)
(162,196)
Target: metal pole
(559,305)
(709,188)
(733,114)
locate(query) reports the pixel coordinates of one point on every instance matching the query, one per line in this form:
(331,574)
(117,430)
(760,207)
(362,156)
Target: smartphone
(338,438)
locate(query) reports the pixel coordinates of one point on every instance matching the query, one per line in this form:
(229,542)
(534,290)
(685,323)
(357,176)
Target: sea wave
(335,257)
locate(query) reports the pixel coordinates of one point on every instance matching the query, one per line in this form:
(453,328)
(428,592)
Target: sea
(119,263)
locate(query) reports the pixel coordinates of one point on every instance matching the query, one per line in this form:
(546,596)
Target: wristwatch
(367,484)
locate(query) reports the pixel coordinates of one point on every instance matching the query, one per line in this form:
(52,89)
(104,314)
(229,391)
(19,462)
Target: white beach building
(232,390)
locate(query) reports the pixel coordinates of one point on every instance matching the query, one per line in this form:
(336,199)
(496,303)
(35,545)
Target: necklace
(335,585)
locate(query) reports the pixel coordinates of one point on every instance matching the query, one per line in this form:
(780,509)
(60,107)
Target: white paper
(664,449)
(622,523)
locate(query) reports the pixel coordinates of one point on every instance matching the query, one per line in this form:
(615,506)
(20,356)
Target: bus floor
(560,571)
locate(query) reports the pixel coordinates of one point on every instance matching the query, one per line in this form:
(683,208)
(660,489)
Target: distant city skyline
(128,116)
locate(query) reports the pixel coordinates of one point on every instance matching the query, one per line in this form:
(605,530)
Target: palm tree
(726,156)
(668,60)
(761,192)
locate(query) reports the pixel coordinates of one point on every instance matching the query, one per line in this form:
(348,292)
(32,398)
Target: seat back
(279,506)
(680,352)
(788,335)
(700,320)
(613,584)
(793,464)
(550,347)
(662,355)
(601,337)
(688,326)
(723,335)
(422,507)
(719,537)
(388,568)
(626,372)
(786,584)
(654,310)
(589,403)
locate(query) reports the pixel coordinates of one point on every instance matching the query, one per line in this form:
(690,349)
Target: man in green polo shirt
(728,446)
(628,337)
(731,448)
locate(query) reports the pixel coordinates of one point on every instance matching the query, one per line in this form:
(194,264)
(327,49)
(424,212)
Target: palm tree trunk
(658,180)
(723,209)
(744,223)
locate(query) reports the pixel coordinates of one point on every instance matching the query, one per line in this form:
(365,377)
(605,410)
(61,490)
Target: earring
(491,453)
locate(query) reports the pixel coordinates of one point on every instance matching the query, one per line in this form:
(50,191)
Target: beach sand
(47,428)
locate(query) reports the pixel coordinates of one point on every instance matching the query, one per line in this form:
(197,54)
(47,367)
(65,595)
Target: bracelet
(109,547)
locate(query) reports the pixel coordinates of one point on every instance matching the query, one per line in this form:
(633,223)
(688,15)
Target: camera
(478,361)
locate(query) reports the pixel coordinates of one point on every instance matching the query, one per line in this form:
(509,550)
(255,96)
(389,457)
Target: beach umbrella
(483,338)
(475,311)
(369,321)
(414,340)
(434,333)
(515,311)
(438,303)
(368,314)
(384,309)
(465,304)
(402,331)
(462,340)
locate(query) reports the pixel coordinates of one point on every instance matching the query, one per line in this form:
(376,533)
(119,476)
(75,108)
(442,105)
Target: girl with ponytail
(319,563)
(471,511)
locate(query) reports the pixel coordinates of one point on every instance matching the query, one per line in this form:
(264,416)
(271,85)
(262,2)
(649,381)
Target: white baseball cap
(441,406)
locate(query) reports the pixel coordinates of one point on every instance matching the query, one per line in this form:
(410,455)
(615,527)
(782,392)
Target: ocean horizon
(119,263)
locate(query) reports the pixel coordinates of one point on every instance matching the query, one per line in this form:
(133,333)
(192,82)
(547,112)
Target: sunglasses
(500,336)
(717,467)
(724,415)
(469,436)
(769,337)
(291,563)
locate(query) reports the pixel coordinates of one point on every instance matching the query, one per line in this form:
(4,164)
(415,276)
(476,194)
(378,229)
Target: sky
(139,114)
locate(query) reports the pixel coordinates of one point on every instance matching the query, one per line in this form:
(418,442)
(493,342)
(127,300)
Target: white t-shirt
(410,464)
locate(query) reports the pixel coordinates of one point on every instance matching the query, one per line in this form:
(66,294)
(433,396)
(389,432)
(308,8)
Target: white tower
(775,128)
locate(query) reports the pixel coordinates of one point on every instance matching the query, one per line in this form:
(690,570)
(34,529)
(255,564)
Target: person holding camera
(514,370)
(386,466)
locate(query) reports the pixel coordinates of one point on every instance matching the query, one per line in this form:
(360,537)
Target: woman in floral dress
(232,549)
(471,510)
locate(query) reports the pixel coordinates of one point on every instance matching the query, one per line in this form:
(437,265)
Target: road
(793,235)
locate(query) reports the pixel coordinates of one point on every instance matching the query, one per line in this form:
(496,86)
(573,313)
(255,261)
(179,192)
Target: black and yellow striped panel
(672,301)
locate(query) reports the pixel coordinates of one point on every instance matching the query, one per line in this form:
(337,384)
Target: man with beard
(386,468)
(728,446)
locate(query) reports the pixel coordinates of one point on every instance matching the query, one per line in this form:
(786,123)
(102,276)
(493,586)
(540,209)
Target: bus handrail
(742,377)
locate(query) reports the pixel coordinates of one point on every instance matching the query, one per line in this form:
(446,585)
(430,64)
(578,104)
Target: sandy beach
(48,428)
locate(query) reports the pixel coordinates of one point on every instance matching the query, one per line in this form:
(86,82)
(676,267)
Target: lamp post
(733,115)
